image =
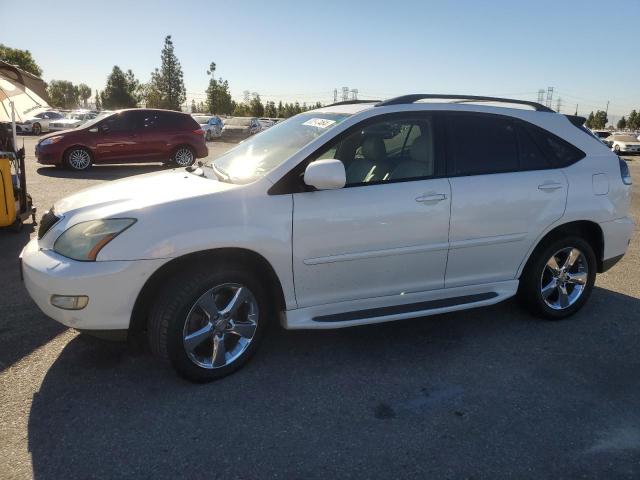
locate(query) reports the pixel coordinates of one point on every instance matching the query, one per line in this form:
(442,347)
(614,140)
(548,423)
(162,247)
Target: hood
(138,192)
(57,133)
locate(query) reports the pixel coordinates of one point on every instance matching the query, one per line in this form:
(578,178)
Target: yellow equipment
(16,204)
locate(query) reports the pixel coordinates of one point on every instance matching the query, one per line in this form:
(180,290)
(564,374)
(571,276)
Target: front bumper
(112,287)
(49,154)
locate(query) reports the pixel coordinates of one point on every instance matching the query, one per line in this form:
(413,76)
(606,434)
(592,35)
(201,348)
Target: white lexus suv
(350,214)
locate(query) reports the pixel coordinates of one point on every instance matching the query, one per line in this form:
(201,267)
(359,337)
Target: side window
(386,151)
(562,153)
(121,122)
(532,157)
(148,121)
(482,144)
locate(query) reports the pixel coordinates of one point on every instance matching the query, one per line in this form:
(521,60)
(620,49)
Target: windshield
(239,121)
(202,120)
(258,155)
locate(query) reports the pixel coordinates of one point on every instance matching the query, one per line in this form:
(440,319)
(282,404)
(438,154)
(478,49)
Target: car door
(384,233)
(505,193)
(116,139)
(151,129)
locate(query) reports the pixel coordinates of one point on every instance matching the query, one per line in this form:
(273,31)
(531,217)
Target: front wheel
(208,322)
(616,148)
(183,156)
(559,278)
(78,159)
(36,129)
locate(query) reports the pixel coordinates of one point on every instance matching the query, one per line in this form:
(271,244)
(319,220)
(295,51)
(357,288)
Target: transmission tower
(558,104)
(354,94)
(345,94)
(549,96)
(335,95)
(541,95)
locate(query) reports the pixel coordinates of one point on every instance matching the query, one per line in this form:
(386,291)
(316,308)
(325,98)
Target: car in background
(71,120)
(211,124)
(624,143)
(239,128)
(126,136)
(266,122)
(602,135)
(39,122)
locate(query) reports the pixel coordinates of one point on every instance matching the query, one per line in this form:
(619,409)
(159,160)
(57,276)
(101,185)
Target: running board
(406,308)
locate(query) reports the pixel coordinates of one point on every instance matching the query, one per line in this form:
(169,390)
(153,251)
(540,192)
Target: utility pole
(549,96)
(576,109)
(558,104)
(607,110)
(335,95)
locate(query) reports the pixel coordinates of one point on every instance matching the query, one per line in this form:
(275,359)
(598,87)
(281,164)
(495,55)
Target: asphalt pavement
(486,393)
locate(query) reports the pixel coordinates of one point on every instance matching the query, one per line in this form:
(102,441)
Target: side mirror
(328,174)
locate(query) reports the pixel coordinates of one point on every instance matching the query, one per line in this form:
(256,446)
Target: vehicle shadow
(23,328)
(104,172)
(376,397)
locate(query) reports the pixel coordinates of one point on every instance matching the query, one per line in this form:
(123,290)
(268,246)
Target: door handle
(435,197)
(550,186)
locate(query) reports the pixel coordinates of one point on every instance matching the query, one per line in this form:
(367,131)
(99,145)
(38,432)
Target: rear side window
(179,121)
(532,157)
(560,152)
(482,144)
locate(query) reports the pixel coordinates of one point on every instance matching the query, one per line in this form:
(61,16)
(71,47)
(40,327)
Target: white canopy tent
(22,95)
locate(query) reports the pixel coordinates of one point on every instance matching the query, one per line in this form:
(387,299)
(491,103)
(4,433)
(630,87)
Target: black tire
(530,288)
(616,148)
(172,306)
(36,129)
(208,136)
(71,162)
(178,159)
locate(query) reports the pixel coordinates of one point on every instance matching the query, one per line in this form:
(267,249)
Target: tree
(218,94)
(84,92)
(622,123)
(600,119)
(241,110)
(63,94)
(256,108)
(166,88)
(270,110)
(121,91)
(280,110)
(194,107)
(97,100)
(589,122)
(20,58)
(634,120)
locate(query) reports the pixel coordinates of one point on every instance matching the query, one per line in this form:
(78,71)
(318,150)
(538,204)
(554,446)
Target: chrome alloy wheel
(79,159)
(220,325)
(564,278)
(184,157)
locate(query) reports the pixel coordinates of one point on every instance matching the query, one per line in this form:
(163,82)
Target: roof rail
(462,98)
(351,102)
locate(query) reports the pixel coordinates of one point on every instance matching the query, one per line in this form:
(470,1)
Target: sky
(301,50)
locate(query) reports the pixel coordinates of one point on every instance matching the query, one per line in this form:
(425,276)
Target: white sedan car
(39,123)
(71,120)
(624,143)
(347,215)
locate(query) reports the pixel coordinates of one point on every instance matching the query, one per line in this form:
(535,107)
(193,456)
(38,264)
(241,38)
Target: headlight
(51,140)
(84,240)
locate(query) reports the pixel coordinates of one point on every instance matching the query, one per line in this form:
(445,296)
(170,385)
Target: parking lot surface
(487,393)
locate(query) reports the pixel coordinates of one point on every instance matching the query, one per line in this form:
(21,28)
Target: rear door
(151,138)
(505,193)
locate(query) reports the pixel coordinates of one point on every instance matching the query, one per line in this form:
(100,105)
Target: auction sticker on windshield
(319,122)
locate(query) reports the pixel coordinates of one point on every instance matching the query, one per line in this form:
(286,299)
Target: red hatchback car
(126,136)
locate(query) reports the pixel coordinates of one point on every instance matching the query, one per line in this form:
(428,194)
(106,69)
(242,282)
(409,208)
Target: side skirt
(397,307)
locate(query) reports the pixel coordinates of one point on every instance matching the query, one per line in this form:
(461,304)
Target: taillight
(624,172)
(199,131)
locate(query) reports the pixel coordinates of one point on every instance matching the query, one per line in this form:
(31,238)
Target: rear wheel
(616,148)
(78,159)
(558,280)
(209,136)
(183,156)
(36,129)
(209,323)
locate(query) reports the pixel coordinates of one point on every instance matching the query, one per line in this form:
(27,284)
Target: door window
(482,144)
(121,122)
(386,151)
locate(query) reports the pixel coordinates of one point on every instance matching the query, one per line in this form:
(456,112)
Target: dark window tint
(560,152)
(482,144)
(178,121)
(532,156)
(148,120)
(120,122)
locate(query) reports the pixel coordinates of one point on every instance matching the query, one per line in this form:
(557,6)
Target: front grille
(47,221)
